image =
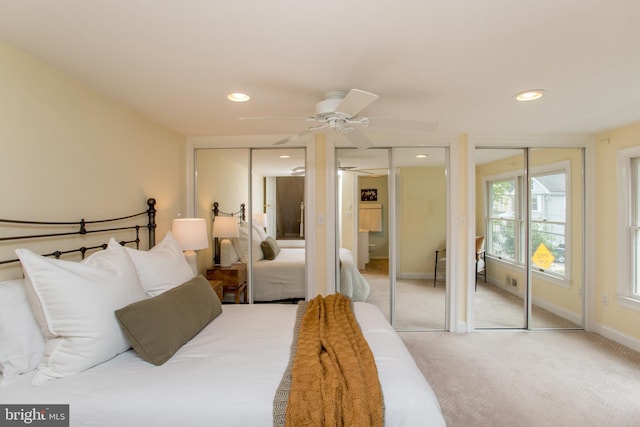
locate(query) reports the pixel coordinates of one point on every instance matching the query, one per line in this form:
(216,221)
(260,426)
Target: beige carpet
(421,307)
(522,378)
(512,378)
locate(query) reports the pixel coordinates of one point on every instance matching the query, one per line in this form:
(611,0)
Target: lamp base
(225,253)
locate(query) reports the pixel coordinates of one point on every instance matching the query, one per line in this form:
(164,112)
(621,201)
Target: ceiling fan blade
(358,139)
(274,118)
(400,124)
(356,101)
(292,137)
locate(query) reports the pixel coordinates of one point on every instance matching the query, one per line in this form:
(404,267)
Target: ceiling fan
(300,171)
(339,111)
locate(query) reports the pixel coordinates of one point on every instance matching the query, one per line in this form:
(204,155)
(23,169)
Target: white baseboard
(617,336)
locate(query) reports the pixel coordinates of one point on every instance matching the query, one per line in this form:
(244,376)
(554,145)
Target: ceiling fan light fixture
(529,95)
(299,171)
(238,97)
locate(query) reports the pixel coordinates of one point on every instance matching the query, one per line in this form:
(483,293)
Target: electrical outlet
(605,299)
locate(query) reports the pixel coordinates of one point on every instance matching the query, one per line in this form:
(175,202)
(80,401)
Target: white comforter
(284,277)
(226,376)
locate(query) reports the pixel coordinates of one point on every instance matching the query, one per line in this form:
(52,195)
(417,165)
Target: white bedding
(225,376)
(284,277)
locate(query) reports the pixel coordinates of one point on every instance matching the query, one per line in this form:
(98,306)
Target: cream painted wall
(611,318)
(349,212)
(68,151)
(422,219)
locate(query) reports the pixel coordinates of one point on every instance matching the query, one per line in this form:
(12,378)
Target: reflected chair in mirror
(441,264)
(481,265)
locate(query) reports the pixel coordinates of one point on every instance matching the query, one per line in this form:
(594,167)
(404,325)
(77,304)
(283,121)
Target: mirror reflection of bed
(277,191)
(278,266)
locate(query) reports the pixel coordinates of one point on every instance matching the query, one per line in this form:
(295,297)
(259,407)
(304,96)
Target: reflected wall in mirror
(278,273)
(420,299)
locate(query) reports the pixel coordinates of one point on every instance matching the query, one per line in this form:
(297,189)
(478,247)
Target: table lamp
(191,234)
(225,227)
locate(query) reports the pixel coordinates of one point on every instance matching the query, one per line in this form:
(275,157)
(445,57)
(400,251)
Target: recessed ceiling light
(284,156)
(422,156)
(529,95)
(238,97)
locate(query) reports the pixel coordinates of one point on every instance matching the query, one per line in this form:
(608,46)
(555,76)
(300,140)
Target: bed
(278,271)
(224,372)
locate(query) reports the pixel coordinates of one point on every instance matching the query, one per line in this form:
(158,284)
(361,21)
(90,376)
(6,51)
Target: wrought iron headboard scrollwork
(84,227)
(240,213)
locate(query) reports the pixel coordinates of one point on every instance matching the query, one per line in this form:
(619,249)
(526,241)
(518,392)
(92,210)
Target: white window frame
(516,220)
(558,167)
(625,282)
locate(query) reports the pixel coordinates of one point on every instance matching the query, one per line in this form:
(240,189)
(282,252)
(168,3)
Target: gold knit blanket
(333,378)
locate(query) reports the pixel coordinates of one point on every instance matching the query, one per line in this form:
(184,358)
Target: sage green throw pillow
(157,327)
(270,248)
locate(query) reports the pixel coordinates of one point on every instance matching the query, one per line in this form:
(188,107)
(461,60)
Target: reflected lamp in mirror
(191,234)
(224,228)
(260,218)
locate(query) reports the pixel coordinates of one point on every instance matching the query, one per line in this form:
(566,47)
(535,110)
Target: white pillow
(242,243)
(21,341)
(261,233)
(162,267)
(74,303)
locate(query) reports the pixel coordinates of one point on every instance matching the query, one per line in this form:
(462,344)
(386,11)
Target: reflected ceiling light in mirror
(422,156)
(284,156)
(238,97)
(529,95)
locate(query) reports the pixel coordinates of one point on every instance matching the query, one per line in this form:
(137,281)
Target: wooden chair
(441,263)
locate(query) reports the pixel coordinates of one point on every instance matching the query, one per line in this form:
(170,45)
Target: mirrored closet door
(363,218)
(278,272)
(393,224)
(222,177)
(530,210)
(421,238)
(264,190)
(556,228)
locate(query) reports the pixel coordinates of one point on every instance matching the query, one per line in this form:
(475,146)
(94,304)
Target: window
(548,217)
(501,220)
(629,227)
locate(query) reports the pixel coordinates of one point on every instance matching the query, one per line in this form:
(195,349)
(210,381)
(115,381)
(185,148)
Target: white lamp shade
(260,218)
(225,226)
(191,233)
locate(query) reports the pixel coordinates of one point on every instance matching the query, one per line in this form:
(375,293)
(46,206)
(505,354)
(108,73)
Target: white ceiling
(456,62)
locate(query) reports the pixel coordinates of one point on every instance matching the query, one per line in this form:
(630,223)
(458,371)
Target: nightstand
(217,288)
(233,278)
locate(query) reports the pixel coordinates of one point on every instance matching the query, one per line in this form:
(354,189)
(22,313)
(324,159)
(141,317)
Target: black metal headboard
(241,213)
(84,227)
